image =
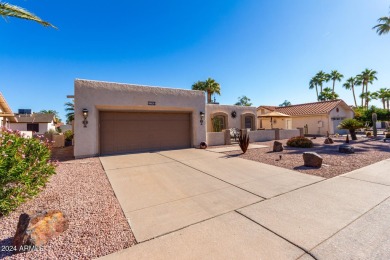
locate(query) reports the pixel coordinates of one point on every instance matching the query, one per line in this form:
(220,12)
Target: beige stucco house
(230,116)
(6,115)
(319,117)
(113,118)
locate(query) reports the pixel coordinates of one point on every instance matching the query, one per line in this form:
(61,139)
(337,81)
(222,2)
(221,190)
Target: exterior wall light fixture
(85,115)
(201,117)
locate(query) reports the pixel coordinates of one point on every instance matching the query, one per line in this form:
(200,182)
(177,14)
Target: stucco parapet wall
(155,90)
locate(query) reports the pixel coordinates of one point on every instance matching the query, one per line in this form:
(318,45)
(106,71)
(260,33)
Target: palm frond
(8,10)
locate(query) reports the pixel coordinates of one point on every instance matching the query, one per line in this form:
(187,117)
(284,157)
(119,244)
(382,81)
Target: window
(33,127)
(248,122)
(219,123)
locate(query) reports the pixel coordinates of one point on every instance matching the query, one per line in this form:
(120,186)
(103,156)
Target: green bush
(25,167)
(300,141)
(68,135)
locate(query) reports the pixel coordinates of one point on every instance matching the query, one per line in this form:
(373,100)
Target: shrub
(300,141)
(368,134)
(68,135)
(387,135)
(25,167)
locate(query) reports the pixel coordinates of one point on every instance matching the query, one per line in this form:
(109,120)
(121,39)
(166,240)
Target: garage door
(122,132)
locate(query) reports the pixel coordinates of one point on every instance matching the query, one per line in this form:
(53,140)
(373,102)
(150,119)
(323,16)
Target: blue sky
(266,50)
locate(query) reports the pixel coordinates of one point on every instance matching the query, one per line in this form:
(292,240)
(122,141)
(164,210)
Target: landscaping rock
(328,140)
(312,159)
(278,146)
(35,230)
(346,149)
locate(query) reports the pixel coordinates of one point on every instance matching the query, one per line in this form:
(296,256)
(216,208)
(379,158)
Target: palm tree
(321,78)
(69,108)
(8,10)
(317,80)
(327,94)
(314,84)
(384,25)
(350,84)
(210,86)
(383,96)
(335,76)
(367,76)
(243,101)
(367,97)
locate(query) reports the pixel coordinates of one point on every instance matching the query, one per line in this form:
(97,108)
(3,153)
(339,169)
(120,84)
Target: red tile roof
(314,108)
(270,108)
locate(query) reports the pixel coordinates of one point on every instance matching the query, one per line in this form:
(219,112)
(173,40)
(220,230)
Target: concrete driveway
(166,191)
(199,204)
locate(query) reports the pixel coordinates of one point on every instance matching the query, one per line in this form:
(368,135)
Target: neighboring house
(6,115)
(228,116)
(122,118)
(319,117)
(36,122)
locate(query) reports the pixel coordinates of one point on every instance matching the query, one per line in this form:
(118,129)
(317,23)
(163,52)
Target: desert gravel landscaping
(367,151)
(97,225)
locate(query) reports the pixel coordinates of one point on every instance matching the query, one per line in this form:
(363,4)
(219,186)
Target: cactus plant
(243,141)
(374,118)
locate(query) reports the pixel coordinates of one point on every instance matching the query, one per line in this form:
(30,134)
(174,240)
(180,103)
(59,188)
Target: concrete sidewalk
(286,216)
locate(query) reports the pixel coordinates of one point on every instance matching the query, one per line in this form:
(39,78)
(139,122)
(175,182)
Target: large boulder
(35,229)
(328,140)
(278,146)
(312,159)
(346,149)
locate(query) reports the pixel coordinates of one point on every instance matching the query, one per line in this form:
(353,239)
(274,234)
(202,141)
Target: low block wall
(261,135)
(59,140)
(287,134)
(26,134)
(215,138)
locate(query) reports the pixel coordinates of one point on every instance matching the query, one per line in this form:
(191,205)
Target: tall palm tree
(350,84)
(368,96)
(321,78)
(210,86)
(335,76)
(8,10)
(69,108)
(384,25)
(314,84)
(383,96)
(366,77)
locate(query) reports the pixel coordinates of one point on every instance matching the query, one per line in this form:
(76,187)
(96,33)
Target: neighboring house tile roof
(314,108)
(270,108)
(36,118)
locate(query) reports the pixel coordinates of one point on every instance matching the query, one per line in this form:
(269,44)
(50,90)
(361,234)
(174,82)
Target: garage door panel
(122,132)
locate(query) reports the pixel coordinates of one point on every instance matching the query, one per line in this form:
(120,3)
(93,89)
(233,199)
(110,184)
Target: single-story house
(112,118)
(6,114)
(318,117)
(38,123)
(230,116)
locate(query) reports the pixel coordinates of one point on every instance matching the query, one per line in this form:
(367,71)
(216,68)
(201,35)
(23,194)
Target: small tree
(243,101)
(351,125)
(285,103)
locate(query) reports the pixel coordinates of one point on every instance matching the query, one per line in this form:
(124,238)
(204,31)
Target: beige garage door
(122,132)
